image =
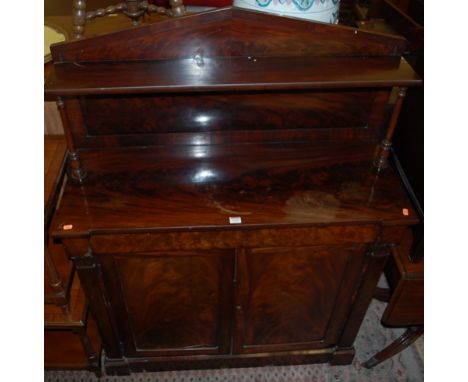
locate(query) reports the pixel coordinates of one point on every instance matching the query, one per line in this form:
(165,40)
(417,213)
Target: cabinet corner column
(376,259)
(89,272)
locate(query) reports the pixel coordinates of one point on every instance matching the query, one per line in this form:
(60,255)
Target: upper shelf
(228,49)
(224,74)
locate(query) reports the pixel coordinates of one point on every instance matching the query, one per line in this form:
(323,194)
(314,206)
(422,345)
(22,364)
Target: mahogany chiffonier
(229,201)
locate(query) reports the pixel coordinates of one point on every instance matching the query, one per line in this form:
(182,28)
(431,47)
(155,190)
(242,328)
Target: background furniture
(58,270)
(405,303)
(71,340)
(134,9)
(60,13)
(227,205)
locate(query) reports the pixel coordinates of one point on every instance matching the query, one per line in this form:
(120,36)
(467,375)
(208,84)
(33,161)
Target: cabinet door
(294,298)
(172,303)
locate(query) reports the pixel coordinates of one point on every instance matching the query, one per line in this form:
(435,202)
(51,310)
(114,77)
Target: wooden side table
(58,270)
(405,303)
(71,340)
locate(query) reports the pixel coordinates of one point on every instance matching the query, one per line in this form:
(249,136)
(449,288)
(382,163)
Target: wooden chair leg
(382,294)
(406,339)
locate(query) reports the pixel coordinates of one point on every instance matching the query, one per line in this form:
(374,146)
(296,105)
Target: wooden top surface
(201,187)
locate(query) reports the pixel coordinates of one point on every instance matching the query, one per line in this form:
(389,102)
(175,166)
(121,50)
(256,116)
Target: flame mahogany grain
(180,126)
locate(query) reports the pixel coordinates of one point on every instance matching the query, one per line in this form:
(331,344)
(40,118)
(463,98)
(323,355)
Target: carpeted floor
(407,366)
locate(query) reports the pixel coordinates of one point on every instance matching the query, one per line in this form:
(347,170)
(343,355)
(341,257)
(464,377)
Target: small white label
(235,220)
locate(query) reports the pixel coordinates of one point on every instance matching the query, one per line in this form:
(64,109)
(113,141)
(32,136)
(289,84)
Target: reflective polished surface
(224,208)
(203,186)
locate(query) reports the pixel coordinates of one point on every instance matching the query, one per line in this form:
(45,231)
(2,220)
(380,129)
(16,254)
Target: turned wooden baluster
(75,169)
(383,151)
(177,8)
(79,17)
(134,9)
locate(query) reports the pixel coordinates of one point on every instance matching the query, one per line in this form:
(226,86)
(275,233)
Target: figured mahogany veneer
(229,201)
(174,270)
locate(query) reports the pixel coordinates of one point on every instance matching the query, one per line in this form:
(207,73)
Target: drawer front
(247,237)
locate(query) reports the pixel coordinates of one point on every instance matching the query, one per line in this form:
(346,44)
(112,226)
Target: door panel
(172,303)
(287,297)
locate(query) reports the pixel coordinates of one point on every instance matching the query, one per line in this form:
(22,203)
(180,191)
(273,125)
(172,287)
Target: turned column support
(89,271)
(75,169)
(383,150)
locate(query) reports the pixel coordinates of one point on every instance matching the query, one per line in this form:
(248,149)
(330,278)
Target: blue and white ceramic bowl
(325,11)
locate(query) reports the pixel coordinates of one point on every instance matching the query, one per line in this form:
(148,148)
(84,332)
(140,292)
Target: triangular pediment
(228,32)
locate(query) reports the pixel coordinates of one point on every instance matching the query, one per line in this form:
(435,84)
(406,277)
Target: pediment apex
(228,32)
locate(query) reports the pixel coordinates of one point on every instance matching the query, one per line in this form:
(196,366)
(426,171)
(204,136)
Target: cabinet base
(343,356)
(126,365)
